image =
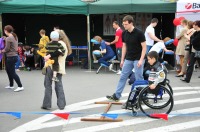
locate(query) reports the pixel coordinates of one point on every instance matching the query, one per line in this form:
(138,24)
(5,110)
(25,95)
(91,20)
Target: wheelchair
(157,101)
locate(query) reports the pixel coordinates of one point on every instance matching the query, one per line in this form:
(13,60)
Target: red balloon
(176,21)
(175,42)
(181,18)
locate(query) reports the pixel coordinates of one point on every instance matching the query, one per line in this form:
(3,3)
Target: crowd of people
(136,45)
(57,50)
(135,50)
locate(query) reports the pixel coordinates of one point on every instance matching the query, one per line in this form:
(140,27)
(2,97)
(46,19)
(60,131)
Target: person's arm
(114,41)
(181,34)
(144,48)
(124,50)
(154,37)
(7,47)
(166,50)
(59,51)
(103,47)
(103,51)
(187,36)
(164,47)
(160,78)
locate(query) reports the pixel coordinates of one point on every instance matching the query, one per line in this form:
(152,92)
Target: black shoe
(126,105)
(45,108)
(198,76)
(179,75)
(112,97)
(61,108)
(184,80)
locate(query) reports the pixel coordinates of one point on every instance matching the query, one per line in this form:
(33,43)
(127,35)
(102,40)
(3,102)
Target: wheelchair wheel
(168,85)
(150,104)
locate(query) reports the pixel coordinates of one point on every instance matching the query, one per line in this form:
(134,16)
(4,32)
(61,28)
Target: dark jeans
(119,55)
(58,89)
(105,59)
(10,69)
(190,68)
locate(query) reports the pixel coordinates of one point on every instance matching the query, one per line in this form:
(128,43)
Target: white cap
(54,35)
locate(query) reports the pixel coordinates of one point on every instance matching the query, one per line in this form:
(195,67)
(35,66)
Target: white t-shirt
(151,30)
(157,47)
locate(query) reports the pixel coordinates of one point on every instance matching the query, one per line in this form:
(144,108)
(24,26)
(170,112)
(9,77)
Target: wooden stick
(116,103)
(106,110)
(103,118)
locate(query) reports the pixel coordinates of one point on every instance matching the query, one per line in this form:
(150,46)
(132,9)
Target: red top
(21,54)
(118,33)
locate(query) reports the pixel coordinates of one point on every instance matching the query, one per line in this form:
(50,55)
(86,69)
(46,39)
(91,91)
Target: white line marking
(73,107)
(78,119)
(131,122)
(185,88)
(176,127)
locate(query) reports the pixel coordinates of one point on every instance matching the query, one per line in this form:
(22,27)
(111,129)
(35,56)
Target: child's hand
(152,86)
(46,58)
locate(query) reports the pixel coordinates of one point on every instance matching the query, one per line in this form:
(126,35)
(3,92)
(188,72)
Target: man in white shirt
(150,34)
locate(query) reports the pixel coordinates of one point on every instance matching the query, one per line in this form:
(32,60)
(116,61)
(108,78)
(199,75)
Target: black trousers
(190,68)
(10,69)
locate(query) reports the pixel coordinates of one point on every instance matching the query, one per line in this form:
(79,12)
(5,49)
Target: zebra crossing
(130,123)
(185,116)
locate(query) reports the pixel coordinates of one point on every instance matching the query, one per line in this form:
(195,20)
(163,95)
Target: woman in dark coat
(195,43)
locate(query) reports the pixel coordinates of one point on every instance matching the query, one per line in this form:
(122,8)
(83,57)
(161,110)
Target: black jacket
(195,40)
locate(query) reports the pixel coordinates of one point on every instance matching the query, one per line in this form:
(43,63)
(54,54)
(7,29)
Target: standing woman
(49,74)
(180,50)
(10,51)
(187,50)
(195,42)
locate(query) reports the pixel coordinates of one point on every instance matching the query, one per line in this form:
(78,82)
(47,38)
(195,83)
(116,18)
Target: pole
(88,42)
(1,31)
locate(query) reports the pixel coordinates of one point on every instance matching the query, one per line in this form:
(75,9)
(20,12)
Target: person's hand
(170,51)
(152,86)
(108,43)
(121,63)
(139,63)
(46,58)
(4,37)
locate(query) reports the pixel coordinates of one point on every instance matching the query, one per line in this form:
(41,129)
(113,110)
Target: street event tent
(79,7)
(127,6)
(44,6)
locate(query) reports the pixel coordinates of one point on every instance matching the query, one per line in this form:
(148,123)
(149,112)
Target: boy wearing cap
(54,50)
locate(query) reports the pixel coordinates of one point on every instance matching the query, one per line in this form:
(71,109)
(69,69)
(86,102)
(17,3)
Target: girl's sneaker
(9,87)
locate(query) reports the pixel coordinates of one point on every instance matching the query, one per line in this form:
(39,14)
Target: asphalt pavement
(82,88)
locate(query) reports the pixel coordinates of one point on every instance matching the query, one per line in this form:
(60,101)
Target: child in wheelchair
(154,74)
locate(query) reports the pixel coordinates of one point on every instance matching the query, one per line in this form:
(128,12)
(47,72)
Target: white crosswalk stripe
(176,127)
(182,106)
